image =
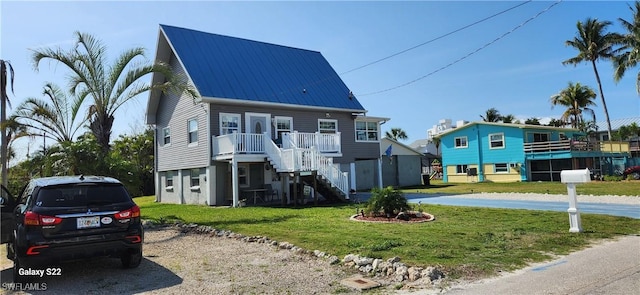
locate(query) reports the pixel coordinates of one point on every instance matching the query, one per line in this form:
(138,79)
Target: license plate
(88,222)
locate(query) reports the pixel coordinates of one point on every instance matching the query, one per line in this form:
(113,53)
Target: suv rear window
(81,195)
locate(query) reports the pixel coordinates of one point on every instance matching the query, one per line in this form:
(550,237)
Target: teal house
(502,152)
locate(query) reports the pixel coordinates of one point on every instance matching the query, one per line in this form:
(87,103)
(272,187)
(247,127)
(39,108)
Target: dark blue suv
(68,218)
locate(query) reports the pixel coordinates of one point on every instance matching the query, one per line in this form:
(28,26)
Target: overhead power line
(466,56)
(437,38)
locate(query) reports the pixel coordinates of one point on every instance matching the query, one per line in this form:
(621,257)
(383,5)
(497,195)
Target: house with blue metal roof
(503,152)
(271,123)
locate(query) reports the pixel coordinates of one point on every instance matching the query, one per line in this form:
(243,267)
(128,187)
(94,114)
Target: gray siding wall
(401,170)
(174,112)
(366,174)
(307,121)
(181,192)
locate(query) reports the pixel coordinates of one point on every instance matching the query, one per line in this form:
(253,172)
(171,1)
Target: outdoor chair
(270,194)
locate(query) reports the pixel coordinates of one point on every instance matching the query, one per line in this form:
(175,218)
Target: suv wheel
(636,175)
(17,265)
(131,258)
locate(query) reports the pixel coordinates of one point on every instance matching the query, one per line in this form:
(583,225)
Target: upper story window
(496,140)
(166,135)
(229,123)
(461,142)
(327,126)
(283,125)
(192,130)
(540,137)
(367,131)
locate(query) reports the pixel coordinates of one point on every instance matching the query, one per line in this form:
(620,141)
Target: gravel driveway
(178,263)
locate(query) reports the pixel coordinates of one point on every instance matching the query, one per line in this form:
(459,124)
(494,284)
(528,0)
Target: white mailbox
(575,176)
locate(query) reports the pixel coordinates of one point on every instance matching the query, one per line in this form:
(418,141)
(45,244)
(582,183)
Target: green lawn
(465,241)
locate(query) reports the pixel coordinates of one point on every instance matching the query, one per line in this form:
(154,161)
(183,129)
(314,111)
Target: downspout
(156,174)
(480,164)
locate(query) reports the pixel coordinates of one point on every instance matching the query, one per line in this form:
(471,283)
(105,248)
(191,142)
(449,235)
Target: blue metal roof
(234,68)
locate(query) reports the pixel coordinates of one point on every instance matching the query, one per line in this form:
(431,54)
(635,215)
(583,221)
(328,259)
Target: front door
(258,123)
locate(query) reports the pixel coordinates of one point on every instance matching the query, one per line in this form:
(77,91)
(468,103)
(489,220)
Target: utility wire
(466,56)
(437,38)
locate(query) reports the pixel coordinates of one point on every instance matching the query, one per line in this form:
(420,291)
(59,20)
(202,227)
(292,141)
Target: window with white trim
(243,175)
(461,169)
(461,142)
(283,125)
(367,130)
(229,123)
(195,177)
(327,126)
(166,136)
(168,180)
(501,168)
(496,141)
(192,130)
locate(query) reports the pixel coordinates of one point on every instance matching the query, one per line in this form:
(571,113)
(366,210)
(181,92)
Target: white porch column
(158,186)
(352,174)
(210,182)
(380,172)
(234,181)
(180,187)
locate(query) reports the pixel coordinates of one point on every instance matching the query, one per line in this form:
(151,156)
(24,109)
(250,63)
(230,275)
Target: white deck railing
(300,152)
(322,142)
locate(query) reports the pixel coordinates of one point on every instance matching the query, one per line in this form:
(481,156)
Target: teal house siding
(484,151)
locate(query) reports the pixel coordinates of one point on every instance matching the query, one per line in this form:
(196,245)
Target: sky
(414,62)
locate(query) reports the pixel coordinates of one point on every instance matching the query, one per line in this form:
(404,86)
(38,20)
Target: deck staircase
(291,157)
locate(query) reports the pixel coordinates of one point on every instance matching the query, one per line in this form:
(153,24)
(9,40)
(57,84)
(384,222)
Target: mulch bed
(413,218)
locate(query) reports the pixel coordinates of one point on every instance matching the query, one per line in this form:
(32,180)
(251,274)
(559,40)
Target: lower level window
(195,177)
(500,168)
(461,169)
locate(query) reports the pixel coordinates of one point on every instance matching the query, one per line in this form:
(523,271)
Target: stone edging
(391,269)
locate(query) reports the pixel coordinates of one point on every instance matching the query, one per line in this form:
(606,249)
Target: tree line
(78,119)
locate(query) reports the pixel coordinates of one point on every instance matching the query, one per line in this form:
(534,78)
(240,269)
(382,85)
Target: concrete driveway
(612,267)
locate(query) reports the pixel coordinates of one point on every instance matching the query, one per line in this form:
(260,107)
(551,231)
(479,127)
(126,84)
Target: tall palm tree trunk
(604,103)
(3,116)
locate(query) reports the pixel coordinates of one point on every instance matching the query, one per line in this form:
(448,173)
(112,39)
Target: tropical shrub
(386,200)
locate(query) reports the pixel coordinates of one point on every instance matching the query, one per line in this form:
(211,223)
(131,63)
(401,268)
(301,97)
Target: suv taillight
(129,213)
(32,218)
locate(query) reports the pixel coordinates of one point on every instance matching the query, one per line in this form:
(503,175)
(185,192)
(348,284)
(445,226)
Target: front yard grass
(465,241)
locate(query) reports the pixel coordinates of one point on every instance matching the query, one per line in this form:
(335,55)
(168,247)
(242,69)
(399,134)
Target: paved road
(626,210)
(612,267)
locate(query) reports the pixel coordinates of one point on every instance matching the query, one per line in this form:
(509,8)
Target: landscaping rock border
(391,270)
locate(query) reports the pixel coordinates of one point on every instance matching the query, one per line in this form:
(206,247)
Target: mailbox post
(571,177)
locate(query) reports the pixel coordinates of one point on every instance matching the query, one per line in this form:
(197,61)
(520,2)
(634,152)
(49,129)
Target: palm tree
(57,120)
(109,86)
(532,121)
(556,123)
(396,133)
(629,54)
(594,43)
(491,115)
(577,98)
(4,98)
(509,119)
(436,141)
